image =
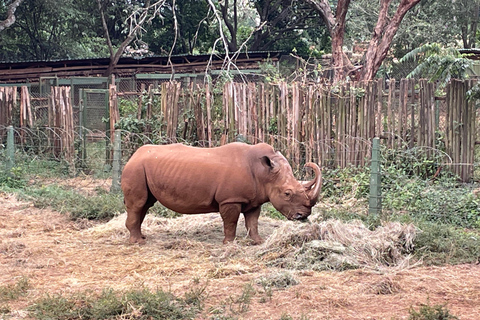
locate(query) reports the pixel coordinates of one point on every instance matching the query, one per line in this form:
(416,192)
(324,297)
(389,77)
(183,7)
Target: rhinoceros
(231,179)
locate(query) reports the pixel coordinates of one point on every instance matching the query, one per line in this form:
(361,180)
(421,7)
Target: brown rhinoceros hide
(231,179)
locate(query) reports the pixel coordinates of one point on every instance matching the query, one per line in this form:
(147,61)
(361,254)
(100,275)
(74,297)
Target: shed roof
(128,66)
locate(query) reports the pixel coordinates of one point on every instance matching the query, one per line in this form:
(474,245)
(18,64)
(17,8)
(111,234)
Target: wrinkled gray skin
(231,179)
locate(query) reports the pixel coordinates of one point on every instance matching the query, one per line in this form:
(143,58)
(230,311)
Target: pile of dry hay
(337,245)
(322,245)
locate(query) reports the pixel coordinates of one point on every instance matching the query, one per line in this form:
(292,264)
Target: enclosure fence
(330,125)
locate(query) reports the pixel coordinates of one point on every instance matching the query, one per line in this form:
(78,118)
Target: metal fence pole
(10,150)
(375,200)
(117,161)
(82,131)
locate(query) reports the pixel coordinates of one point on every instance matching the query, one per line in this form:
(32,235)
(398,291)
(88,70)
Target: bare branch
(135,20)
(175,27)
(323,8)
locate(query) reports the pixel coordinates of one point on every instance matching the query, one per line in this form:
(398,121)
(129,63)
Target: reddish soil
(57,255)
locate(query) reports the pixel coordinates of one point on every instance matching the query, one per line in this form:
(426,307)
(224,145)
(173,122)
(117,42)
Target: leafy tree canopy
(59,29)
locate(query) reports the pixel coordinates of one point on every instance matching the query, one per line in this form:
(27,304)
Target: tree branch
(10,15)
(323,8)
(378,51)
(105,28)
(232,28)
(136,21)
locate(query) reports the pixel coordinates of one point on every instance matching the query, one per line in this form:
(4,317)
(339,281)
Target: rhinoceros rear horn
(314,186)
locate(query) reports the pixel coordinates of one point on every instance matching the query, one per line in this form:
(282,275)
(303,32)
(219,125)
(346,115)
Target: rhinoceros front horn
(313,187)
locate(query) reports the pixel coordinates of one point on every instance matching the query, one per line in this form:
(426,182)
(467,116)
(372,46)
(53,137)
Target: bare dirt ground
(57,255)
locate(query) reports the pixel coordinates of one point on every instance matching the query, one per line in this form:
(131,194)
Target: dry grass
(57,255)
(333,244)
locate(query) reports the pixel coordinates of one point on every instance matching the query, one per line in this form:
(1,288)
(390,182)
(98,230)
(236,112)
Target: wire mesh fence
(407,175)
(332,126)
(44,146)
(94,151)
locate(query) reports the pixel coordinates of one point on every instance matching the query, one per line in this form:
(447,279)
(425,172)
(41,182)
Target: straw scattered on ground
(282,276)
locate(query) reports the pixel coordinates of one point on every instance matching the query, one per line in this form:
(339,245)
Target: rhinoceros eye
(288,194)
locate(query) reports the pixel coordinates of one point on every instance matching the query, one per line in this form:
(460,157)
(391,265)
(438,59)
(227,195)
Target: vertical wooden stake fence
(61,118)
(375,201)
(8,100)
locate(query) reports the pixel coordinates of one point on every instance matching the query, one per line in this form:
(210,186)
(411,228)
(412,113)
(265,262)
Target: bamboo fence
(60,117)
(330,125)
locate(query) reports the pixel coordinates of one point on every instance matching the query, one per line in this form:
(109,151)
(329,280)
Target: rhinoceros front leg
(251,223)
(230,214)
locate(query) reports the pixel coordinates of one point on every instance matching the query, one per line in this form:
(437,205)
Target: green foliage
(79,206)
(286,316)
(14,179)
(269,211)
(429,312)
(127,107)
(441,208)
(53,29)
(438,201)
(161,211)
(133,304)
(14,291)
(241,304)
(473,94)
(439,243)
(414,182)
(346,182)
(271,73)
(196,294)
(280,280)
(438,63)
(131,124)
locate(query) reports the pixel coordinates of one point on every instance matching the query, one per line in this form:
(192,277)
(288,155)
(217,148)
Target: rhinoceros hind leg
(230,213)
(135,217)
(251,223)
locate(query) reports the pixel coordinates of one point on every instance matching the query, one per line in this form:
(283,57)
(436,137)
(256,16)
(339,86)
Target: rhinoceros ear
(269,163)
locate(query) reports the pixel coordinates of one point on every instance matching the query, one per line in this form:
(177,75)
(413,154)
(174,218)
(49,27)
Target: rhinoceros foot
(137,240)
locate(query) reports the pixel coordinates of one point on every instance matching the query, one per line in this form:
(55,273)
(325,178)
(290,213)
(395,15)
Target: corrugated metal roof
(125,57)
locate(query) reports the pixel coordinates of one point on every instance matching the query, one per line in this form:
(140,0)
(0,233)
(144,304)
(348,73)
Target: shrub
(440,243)
(441,201)
(13,291)
(429,312)
(346,182)
(133,304)
(100,206)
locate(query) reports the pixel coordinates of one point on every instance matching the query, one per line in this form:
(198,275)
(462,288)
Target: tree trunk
(469,29)
(379,44)
(10,15)
(383,36)
(232,27)
(118,54)
(115,55)
(340,63)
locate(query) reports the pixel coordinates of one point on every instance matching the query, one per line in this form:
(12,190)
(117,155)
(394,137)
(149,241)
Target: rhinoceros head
(294,199)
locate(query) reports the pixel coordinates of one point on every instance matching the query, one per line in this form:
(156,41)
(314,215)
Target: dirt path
(61,256)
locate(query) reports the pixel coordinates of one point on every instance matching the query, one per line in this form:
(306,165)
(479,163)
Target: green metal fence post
(117,161)
(375,200)
(10,150)
(82,131)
